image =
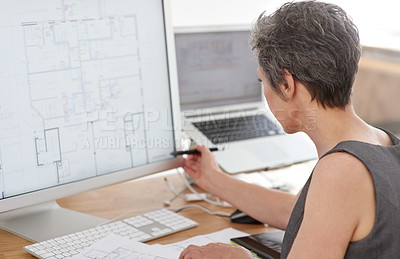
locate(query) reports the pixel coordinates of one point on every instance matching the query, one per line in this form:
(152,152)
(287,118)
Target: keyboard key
(238,128)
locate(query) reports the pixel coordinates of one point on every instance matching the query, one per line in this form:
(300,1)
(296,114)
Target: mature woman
(308,54)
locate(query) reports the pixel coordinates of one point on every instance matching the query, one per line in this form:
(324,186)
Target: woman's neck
(331,126)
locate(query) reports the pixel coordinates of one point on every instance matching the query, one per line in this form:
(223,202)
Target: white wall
(218,12)
(377,21)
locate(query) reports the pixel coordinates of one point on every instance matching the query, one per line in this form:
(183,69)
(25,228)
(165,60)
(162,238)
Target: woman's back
(383,163)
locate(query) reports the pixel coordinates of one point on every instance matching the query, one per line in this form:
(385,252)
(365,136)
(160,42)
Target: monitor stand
(46,221)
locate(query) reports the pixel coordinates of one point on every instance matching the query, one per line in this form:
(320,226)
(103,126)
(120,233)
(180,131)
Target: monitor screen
(86,99)
(215,67)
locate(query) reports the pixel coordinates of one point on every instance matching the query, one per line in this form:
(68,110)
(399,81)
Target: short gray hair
(316,42)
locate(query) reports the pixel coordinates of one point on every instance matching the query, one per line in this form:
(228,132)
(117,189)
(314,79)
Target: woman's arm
(340,208)
(269,206)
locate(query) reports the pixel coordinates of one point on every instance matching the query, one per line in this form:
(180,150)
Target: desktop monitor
(88,98)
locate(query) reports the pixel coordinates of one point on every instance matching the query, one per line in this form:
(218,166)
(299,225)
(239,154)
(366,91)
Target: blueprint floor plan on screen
(72,80)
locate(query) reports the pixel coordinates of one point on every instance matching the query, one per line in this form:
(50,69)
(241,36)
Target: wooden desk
(112,201)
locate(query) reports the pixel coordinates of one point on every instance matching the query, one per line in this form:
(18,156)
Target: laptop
(222,102)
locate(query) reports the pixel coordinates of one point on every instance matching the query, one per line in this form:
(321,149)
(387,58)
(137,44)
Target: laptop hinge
(221,112)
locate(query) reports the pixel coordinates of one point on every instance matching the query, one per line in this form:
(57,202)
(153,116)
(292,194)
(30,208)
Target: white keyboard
(139,228)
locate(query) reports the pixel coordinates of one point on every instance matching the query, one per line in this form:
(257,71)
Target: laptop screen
(216,68)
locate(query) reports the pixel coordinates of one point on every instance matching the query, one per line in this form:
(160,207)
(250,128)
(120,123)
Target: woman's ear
(288,89)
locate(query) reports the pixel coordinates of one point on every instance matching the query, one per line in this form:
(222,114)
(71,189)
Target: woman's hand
(202,168)
(215,250)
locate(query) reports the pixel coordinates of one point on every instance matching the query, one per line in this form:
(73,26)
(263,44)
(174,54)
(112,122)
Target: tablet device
(264,245)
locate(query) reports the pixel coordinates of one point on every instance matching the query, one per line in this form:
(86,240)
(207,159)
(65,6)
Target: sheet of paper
(117,247)
(223,236)
(291,178)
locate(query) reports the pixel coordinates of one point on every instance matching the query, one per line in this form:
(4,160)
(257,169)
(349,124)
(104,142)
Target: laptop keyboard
(238,128)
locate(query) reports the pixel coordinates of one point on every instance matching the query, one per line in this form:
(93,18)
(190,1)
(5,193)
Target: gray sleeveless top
(384,165)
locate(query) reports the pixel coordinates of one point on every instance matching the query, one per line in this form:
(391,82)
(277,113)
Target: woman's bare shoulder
(340,166)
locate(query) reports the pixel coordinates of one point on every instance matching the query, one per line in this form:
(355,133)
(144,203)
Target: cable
(200,196)
(218,202)
(172,189)
(216,213)
(170,186)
